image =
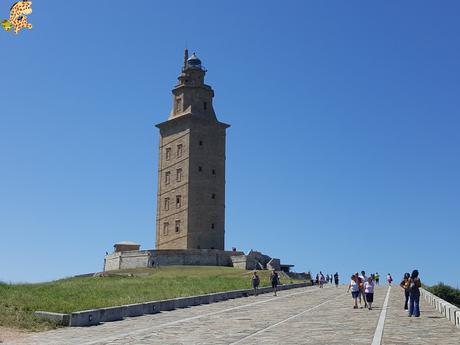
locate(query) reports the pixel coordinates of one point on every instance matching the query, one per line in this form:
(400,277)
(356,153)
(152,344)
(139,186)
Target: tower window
(179,151)
(205,105)
(200,142)
(212,226)
(168,153)
(165,228)
(178,201)
(179,175)
(166,204)
(213,196)
(213,171)
(167,177)
(177,226)
(200,169)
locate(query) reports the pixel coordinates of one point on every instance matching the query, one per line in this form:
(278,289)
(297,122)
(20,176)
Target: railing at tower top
(199,67)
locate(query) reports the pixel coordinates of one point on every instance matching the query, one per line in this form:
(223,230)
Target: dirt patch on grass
(10,334)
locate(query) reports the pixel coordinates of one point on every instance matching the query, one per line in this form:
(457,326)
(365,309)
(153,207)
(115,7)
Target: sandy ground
(8,334)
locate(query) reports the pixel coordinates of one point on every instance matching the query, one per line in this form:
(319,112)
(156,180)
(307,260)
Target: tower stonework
(191,173)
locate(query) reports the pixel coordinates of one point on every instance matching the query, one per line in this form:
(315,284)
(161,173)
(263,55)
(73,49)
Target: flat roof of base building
(127,243)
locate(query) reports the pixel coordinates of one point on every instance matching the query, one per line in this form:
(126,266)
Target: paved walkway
(300,316)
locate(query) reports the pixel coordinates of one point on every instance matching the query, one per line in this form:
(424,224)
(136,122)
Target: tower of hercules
(191,169)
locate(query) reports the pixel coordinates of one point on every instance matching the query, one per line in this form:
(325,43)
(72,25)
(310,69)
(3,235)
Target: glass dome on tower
(194,62)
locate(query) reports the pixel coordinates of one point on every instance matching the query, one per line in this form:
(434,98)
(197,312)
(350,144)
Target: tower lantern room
(191,95)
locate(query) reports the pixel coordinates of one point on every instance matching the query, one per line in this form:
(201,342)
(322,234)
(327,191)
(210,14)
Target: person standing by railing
(414,294)
(405,285)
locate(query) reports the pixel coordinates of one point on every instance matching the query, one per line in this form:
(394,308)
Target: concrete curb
(449,311)
(60,319)
(96,316)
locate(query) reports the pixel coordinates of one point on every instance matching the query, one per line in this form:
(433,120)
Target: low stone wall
(197,257)
(96,316)
(301,276)
(152,258)
(449,311)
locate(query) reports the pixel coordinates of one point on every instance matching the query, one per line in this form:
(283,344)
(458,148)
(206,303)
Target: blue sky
(343,152)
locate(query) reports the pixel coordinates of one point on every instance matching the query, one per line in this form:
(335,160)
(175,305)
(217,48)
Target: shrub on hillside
(447,293)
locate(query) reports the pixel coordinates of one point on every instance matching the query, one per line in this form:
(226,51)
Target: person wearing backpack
(389,279)
(405,285)
(414,294)
(255,282)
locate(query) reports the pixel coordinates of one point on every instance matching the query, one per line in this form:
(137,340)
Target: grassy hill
(19,301)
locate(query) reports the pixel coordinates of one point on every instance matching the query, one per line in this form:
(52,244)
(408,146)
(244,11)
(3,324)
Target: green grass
(19,301)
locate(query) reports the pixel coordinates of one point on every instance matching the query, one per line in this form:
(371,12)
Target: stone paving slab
(300,316)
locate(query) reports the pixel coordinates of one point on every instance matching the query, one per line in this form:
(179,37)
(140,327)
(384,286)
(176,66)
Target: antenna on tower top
(185,57)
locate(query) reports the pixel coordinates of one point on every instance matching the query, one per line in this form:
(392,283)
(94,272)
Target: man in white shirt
(362,294)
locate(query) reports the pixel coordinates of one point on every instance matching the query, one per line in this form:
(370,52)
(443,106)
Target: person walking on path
(354,290)
(255,282)
(405,285)
(321,279)
(369,291)
(377,278)
(389,279)
(274,278)
(336,279)
(414,294)
(362,295)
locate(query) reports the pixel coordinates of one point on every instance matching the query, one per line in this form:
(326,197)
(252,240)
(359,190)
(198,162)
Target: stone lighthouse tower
(191,172)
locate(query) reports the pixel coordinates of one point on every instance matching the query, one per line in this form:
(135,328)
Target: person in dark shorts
(354,286)
(336,279)
(255,280)
(369,291)
(274,278)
